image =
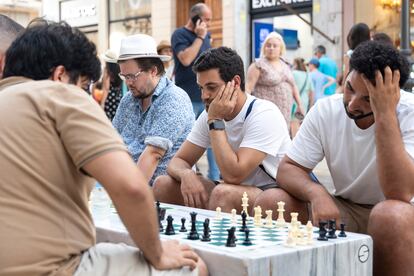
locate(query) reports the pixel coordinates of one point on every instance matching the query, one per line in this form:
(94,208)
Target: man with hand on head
(249,137)
(366,136)
(55,137)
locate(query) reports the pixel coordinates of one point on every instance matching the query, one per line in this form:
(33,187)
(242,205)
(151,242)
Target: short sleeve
(82,125)
(179,41)
(265,131)
(199,134)
(173,121)
(306,148)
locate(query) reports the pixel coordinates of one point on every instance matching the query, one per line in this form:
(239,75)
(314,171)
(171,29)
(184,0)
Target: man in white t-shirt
(367,138)
(248,136)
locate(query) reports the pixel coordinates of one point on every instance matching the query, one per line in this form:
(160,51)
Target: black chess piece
(160,223)
(160,211)
(193,235)
(170,227)
(342,234)
(183,229)
(247,241)
(244,217)
(231,237)
(206,230)
(322,231)
(332,229)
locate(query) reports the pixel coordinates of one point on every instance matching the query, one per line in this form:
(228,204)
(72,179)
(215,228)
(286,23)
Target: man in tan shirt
(54,136)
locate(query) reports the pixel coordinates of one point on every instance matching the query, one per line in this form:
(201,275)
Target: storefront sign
(261,30)
(265,5)
(79,12)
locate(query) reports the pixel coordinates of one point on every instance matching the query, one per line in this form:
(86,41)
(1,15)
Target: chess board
(268,254)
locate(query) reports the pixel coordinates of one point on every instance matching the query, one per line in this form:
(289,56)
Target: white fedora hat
(139,46)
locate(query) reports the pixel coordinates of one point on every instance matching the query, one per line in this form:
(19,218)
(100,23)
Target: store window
(127,17)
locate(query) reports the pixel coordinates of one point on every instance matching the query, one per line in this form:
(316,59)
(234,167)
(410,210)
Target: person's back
(327,66)
(9,29)
(43,195)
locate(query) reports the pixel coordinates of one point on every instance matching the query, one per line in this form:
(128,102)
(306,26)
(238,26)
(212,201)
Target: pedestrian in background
(188,43)
(304,83)
(327,66)
(271,78)
(164,48)
(320,81)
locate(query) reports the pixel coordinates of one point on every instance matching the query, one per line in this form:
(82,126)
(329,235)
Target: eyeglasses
(130,77)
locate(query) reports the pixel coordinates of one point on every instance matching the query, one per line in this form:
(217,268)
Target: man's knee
(163,185)
(220,194)
(388,214)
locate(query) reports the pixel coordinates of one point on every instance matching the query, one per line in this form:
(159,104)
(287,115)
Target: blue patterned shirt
(165,124)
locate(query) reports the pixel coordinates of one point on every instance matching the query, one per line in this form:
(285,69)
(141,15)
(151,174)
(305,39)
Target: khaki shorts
(120,259)
(355,216)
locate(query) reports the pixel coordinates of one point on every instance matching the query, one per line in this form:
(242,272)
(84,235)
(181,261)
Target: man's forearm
(298,183)
(395,167)
(226,158)
(177,168)
(187,56)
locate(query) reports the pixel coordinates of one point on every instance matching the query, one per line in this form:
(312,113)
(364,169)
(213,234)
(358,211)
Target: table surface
(342,256)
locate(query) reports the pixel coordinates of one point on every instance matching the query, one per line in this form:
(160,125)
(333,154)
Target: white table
(342,256)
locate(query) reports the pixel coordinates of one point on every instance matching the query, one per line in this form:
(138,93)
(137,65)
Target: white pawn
(280,222)
(269,221)
(233,216)
(309,231)
(290,241)
(218,213)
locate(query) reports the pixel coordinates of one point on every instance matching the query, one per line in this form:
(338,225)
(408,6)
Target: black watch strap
(217,125)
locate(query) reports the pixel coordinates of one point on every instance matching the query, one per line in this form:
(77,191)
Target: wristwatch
(217,125)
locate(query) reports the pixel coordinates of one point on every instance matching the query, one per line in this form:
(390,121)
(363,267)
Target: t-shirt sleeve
(179,41)
(265,131)
(171,123)
(199,134)
(306,148)
(84,129)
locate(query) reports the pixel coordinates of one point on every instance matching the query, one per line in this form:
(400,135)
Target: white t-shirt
(350,152)
(264,129)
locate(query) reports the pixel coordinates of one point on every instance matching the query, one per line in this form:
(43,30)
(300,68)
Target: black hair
(226,60)
(113,70)
(147,64)
(44,45)
(383,37)
(370,56)
(359,33)
(321,49)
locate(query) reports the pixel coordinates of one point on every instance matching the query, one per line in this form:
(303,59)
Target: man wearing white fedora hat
(155,116)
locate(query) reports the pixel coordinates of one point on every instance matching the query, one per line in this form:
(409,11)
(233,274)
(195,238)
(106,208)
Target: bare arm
(187,56)
(192,189)
(296,96)
(330,82)
(149,159)
(395,166)
(295,179)
(311,99)
(234,166)
(129,191)
(253,74)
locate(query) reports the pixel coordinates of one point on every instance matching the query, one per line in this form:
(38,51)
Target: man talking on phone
(248,136)
(188,43)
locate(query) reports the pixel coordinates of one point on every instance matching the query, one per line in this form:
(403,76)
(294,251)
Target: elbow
(232,179)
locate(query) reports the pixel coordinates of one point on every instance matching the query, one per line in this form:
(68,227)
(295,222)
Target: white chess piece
(290,241)
(294,223)
(218,213)
(309,231)
(245,204)
(280,222)
(233,216)
(269,221)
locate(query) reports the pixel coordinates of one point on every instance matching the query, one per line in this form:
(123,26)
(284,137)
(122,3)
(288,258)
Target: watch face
(217,125)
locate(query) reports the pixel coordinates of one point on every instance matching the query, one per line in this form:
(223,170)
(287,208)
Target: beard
(356,117)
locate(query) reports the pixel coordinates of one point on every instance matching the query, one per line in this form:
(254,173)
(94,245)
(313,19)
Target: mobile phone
(195,18)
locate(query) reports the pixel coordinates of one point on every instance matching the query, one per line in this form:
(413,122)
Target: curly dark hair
(370,56)
(226,60)
(44,45)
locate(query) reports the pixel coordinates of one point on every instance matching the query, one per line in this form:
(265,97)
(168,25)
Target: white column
(163,19)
